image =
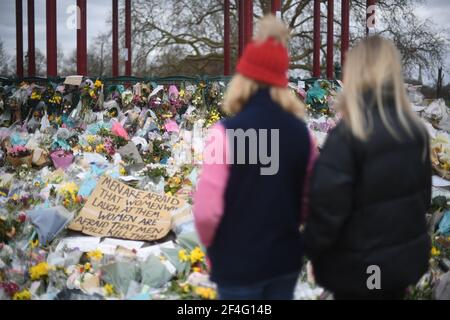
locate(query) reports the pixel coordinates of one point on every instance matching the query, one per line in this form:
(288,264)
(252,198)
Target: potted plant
(61,159)
(19,155)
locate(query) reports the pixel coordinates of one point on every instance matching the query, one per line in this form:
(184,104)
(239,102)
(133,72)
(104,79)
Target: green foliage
(159,152)
(439,203)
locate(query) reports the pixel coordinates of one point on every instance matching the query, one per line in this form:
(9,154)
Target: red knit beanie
(266,62)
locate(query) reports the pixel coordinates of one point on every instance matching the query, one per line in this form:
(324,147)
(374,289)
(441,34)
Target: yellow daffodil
(35,95)
(22,295)
(39,271)
(55,99)
(435,252)
(206,293)
(123,171)
(181,93)
(90,139)
(69,191)
(196,269)
(34,244)
(197,255)
(87,267)
(95,255)
(100,148)
(70,188)
(98,84)
(183,256)
(109,289)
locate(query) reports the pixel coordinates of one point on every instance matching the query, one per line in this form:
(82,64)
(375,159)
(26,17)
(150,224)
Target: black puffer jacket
(368,205)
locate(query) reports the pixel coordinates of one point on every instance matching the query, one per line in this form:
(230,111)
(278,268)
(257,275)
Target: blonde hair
(374,66)
(241,88)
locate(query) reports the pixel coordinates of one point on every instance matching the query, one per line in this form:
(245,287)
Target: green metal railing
(131,80)
(122,79)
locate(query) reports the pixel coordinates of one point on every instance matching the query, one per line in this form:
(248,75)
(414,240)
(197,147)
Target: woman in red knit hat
(249,204)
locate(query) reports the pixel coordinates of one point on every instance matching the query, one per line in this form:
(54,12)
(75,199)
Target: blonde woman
(248,205)
(371,187)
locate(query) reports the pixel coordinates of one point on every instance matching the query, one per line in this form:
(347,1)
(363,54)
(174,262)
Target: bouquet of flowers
(62,159)
(17,203)
(440,155)
(196,286)
(112,141)
(35,95)
(70,198)
(19,152)
(89,95)
(160,152)
(176,182)
(320,98)
(213,116)
(10,226)
(19,155)
(215,95)
(54,103)
(198,97)
(153,171)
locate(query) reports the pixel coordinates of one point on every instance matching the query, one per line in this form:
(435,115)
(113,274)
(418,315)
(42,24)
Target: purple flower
(109,146)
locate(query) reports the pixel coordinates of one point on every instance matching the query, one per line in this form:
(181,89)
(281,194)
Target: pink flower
(173,94)
(118,130)
(171,126)
(18,151)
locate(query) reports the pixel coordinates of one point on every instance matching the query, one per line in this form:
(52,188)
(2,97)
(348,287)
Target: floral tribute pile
(57,140)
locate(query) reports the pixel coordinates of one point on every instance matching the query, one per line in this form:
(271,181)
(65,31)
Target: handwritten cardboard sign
(119,211)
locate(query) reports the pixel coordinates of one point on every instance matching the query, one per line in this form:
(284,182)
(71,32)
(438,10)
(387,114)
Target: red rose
(22,218)
(10,288)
